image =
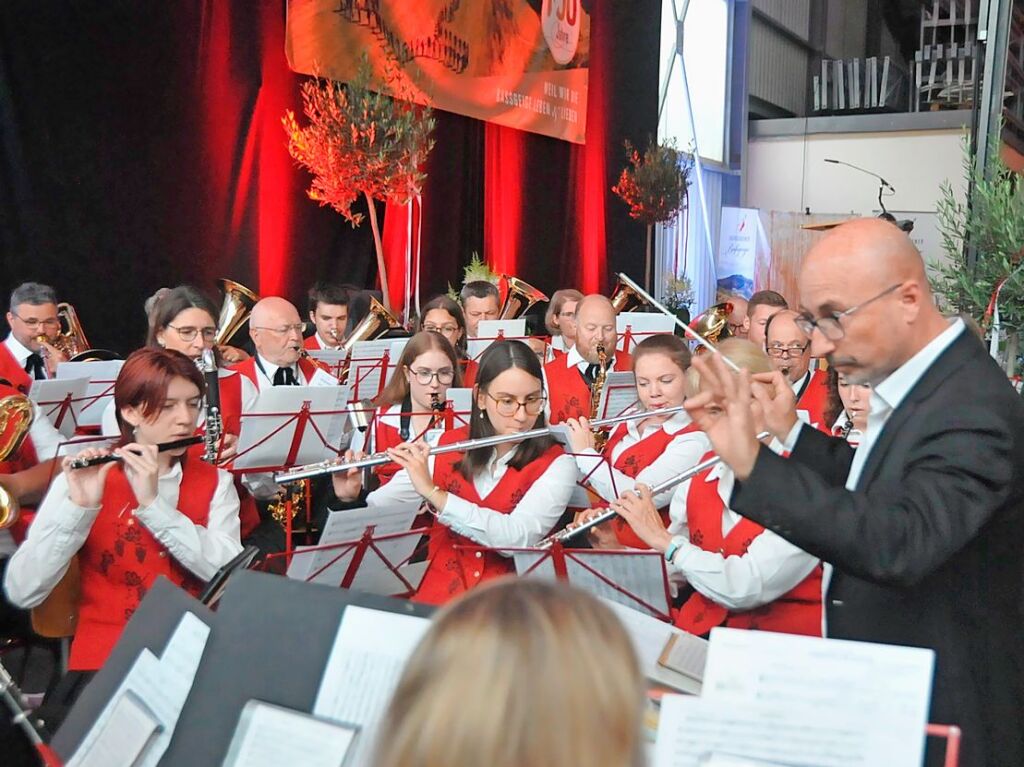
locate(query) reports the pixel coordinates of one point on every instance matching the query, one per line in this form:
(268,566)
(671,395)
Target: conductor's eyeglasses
(830,325)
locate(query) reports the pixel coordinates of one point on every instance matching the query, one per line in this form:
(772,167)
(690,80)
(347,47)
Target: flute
(84,463)
(378,459)
(571,531)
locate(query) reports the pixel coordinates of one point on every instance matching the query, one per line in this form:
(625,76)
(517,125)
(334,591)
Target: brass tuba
(238,304)
(519,297)
(713,324)
(375,324)
(16,414)
(625,299)
(70,340)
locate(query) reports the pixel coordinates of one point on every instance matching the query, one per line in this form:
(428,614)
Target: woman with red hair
(150,514)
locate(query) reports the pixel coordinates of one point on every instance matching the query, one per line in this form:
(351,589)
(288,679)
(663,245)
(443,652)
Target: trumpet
(572,530)
(378,459)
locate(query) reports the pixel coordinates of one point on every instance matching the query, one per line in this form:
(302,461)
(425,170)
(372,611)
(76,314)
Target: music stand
(632,326)
(100,392)
(60,400)
(599,572)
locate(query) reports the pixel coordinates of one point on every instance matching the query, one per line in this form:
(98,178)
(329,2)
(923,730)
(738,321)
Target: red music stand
(565,562)
(952,735)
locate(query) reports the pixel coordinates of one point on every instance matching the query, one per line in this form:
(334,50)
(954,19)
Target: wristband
(673,548)
(429,496)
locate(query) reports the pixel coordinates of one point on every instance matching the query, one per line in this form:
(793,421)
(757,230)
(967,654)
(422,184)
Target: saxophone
(595,395)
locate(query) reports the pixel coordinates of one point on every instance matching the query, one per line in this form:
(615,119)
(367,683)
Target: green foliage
(994,226)
(678,292)
(478,270)
(654,183)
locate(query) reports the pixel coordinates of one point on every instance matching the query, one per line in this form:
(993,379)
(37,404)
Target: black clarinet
(214,426)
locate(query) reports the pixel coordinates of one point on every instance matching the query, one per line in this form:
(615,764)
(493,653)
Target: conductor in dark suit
(924,523)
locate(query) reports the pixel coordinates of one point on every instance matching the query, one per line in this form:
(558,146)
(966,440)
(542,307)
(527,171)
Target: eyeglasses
(829,325)
(788,351)
(425,377)
(509,406)
(189,334)
(298,327)
(33,323)
(442,329)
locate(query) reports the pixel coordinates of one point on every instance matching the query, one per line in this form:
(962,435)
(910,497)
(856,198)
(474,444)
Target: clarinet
(20,716)
(214,421)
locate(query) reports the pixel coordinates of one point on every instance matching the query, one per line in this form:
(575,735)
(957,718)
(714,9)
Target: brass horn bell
(625,299)
(713,324)
(519,297)
(375,324)
(16,415)
(238,304)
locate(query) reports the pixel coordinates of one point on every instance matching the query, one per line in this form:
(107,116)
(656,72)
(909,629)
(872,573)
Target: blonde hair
(558,301)
(518,673)
(746,354)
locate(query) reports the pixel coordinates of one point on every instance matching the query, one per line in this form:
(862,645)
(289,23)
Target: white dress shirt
(391,416)
(679,455)
(541,506)
(21,353)
(61,527)
(771,567)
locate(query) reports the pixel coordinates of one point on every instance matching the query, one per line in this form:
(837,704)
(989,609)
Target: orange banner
(521,63)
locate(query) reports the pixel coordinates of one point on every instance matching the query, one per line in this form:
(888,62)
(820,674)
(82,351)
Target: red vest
(25,457)
(384,436)
(815,400)
(568,393)
(796,612)
(311,344)
(452,570)
(231,403)
(307,367)
(121,558)
(631,462)
(13,372)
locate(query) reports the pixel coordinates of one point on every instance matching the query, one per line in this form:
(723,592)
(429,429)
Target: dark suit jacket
(927,550)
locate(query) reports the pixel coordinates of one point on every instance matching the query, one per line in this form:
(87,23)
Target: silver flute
(571,531)
(334,466)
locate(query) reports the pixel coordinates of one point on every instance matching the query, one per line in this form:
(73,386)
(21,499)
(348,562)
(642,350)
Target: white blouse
(771,567)
(540,508)
(61,527)
(682,453)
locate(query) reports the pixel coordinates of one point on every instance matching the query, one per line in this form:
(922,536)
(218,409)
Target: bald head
(595,326)
(276,331)
(869,274)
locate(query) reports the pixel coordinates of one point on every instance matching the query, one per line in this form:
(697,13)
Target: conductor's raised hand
(777,402)
(725,411)
(85,486)
(348,484)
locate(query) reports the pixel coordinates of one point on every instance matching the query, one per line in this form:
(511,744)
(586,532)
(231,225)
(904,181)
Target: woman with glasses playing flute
(742,575)
(150,514)
(507,496)
(648,451)
(410,407)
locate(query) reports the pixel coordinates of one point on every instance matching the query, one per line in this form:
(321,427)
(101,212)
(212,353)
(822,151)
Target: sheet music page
(49,395)
(125,735)
(650,636)
(524,560)
(272,736)
(640,574)
(642,324)
(101,375)
(891,685)
(364,365)
(264,443)
(344,527)
(692,729)
(462,405)
(365,664)
(491,329)
(375,577)
(618,395)
(161,684)
(333,358)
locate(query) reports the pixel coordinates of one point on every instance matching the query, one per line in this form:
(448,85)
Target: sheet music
(890,685)
(364,365)
(461,404)
(49,396)
(640,574)
(365,664)
(126,734)
(491,329)
(100,392)
(641,325)
(692,729)
(271,736)
(348,526)
(525,560)
(161,684)
(650,636)
(265,440)
(333,358)
(618,394)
